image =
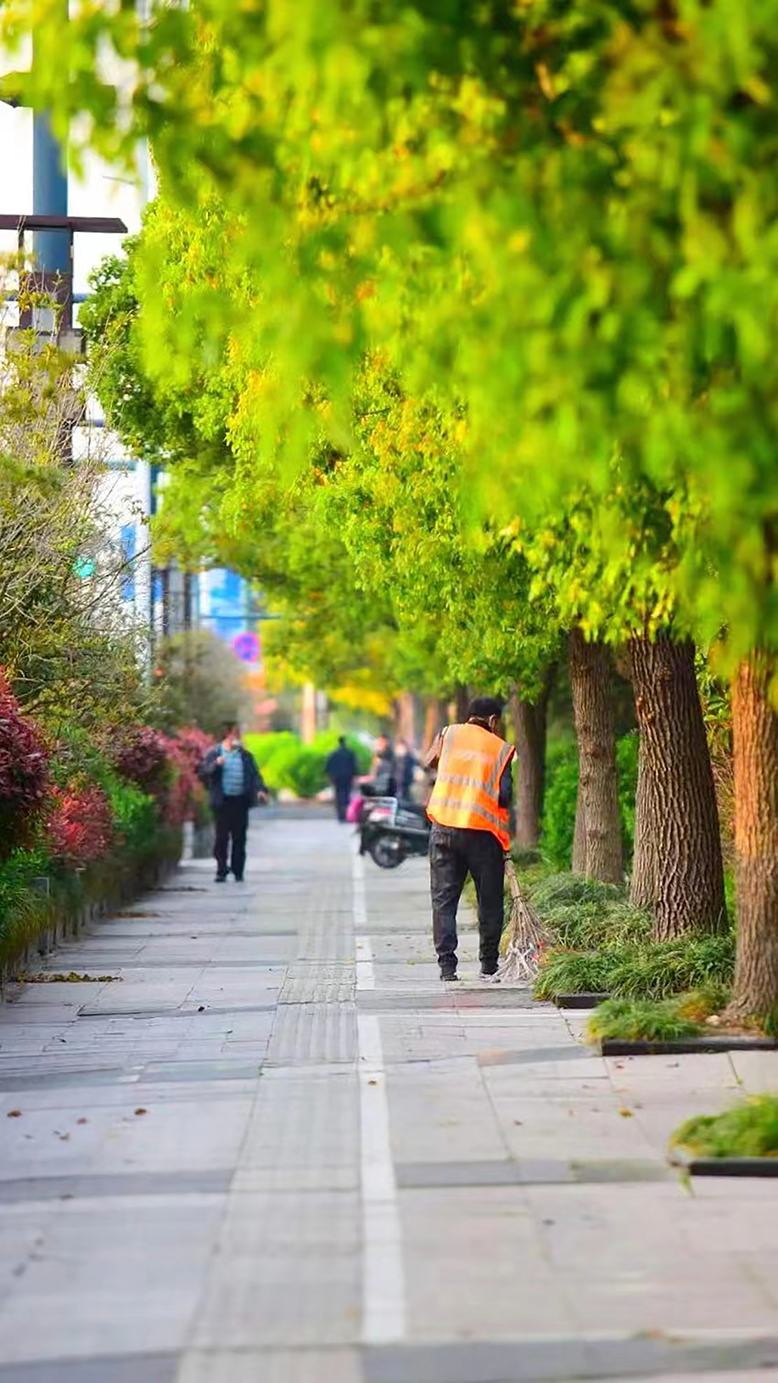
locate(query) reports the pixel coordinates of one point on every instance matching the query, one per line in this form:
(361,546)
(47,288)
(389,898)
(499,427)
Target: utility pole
(52,249)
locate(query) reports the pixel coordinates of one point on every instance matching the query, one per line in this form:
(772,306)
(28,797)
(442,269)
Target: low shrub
(300,768)
(24,774)
(265,747)
(749,1129)
(24,912)
(134,815)
(634,1020)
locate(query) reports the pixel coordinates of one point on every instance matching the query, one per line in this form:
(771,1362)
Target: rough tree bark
(405,716)
(644,884)
(461,703)
(434,720)
(590,678)
(578,865)
(528,719)
(755,734)
(685,874)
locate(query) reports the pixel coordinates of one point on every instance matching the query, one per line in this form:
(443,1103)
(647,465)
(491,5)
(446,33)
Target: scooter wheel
(387,854)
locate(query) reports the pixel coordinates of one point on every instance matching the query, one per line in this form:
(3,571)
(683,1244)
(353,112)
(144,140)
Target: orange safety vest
(472,761)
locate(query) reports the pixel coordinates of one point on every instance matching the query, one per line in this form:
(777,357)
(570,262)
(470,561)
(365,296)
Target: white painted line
(383,1289)
(358,884)
(364,951)
(365,971)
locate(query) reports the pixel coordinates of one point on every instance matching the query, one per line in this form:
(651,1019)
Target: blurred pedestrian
(341,769)
(235,785)
(384,769)
(405,761)
(470,811)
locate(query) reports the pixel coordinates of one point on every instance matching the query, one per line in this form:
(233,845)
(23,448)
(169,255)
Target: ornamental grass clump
(649,970)
(591,925)
(749,1129)
(667,1020)
(672,967)
(559,889)
(573,972)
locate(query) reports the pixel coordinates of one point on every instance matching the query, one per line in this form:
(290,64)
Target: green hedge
(558,824)
(286,762)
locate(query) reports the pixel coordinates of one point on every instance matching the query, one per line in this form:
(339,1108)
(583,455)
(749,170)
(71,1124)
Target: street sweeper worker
(469,809)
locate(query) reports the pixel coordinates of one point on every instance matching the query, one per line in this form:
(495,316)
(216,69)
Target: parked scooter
(392,830)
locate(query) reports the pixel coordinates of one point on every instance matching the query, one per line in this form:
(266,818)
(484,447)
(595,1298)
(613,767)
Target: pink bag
(354,807)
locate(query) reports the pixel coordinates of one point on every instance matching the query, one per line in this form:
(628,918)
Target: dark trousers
(232,821)
(342,797)
(454,854)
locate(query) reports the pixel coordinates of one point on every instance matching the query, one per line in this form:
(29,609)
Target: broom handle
(513,883)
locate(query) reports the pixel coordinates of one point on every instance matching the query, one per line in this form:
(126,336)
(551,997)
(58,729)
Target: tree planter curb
(582,1000)
(681,1046)
(723,1166)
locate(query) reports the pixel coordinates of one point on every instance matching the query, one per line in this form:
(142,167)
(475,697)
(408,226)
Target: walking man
(469,809)
(341,769)
(235,785)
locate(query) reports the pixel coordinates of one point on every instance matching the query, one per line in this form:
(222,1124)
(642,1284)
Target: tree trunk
(461,703)
(644,884)
(578,865)
(590,677)
(432,721)
(686,875)
(406,717)
(528,719)
(308,714)
(755,732)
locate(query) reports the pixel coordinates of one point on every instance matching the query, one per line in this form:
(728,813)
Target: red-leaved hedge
(140,754)
(24,773)
(185,752)
(80,824)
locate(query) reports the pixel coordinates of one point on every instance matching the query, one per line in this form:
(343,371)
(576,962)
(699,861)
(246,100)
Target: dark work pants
(232,821)
(342,796)
(454,854)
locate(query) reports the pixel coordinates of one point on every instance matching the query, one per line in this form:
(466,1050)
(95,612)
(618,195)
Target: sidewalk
(276,1150)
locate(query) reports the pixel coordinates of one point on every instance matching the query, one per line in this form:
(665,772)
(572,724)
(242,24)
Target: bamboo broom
(528,936)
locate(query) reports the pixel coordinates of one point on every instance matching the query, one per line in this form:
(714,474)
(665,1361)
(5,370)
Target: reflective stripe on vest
(466,792)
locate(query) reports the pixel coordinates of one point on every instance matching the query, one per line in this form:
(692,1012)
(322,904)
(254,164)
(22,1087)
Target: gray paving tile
(86,1186)
(271,1366)
(136,1368)
(528,1172)
(565,1359)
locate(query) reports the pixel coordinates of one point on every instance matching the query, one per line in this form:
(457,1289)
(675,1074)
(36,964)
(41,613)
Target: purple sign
(246,646)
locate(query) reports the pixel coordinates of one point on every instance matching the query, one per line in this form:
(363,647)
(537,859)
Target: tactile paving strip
(309,1034)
